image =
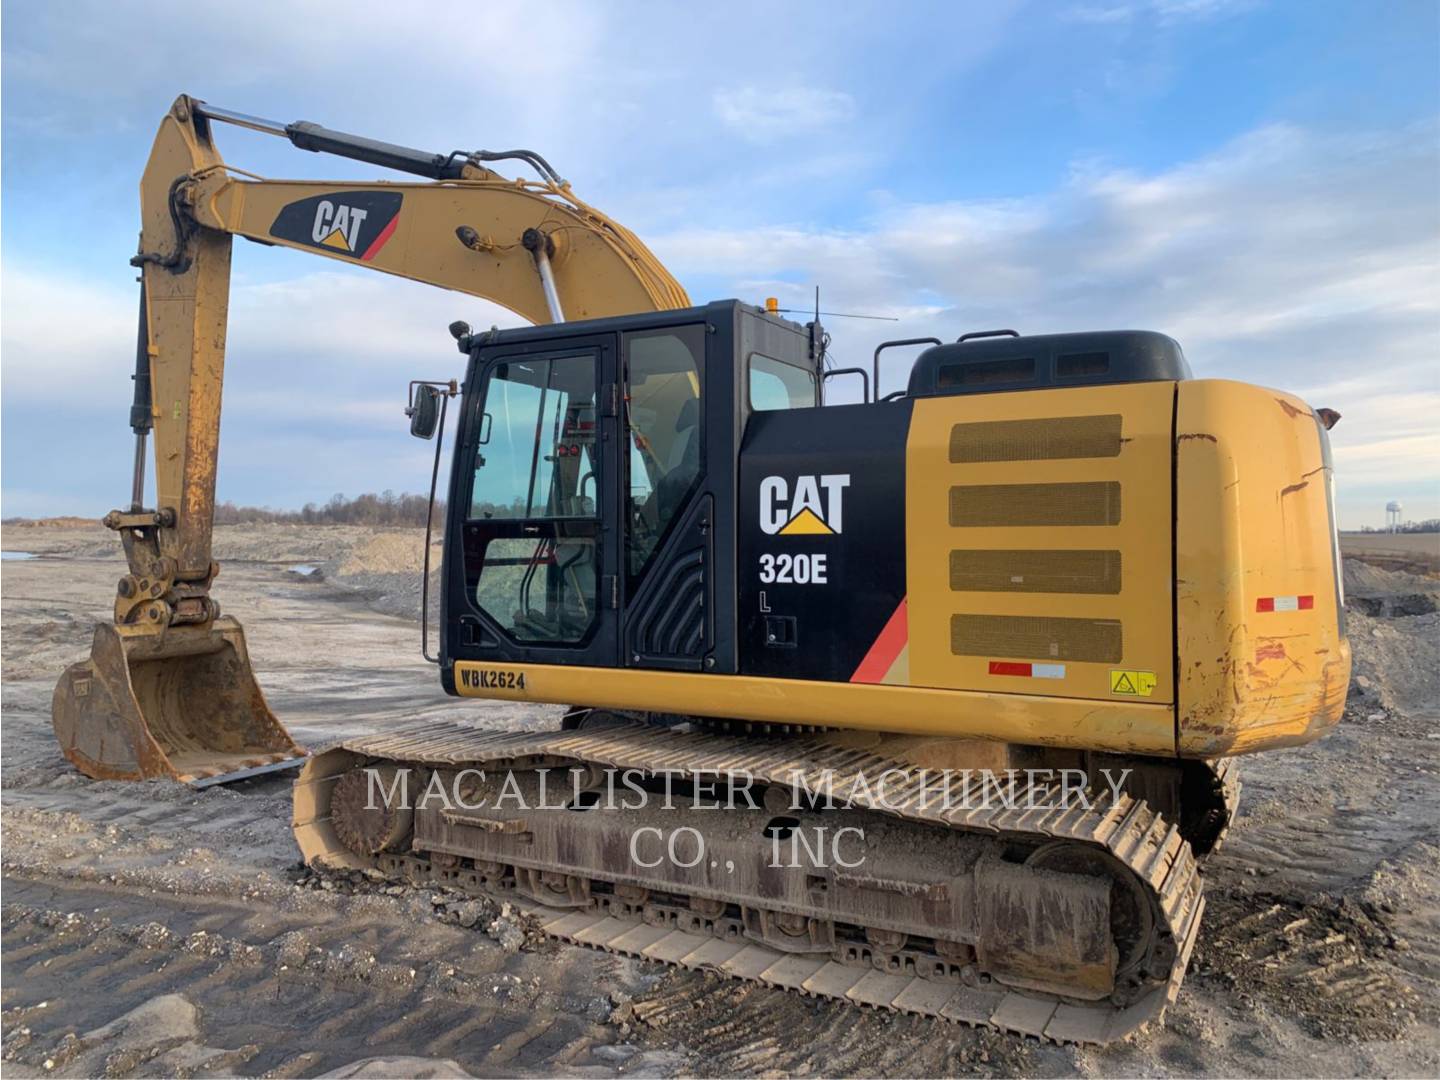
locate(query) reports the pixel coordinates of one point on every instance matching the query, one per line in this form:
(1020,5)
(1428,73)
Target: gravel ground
(150,930)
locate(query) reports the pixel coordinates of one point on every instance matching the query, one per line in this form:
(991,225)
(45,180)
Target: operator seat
(683,463)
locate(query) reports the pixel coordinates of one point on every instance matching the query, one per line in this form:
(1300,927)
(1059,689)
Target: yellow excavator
(964,664)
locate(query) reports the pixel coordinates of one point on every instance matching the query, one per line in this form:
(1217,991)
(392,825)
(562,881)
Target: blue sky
(1261,180)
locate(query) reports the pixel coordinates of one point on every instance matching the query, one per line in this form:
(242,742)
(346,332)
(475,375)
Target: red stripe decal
(1009,667)
(886,648)
(379,241)
(1306,603)
(1265,603)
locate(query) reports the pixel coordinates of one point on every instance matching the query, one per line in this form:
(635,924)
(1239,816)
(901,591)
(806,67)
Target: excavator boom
(168,689)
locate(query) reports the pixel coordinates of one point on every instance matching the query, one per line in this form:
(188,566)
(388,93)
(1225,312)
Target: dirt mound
(385,553)
(512,930)
(1395,662)
(385,569)
(1394,633)
(51,523)
(81,540)
(232,543)
(1376,591)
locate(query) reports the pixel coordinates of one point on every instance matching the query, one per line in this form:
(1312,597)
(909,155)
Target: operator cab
(593,489)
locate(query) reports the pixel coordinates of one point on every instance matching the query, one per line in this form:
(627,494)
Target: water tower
(1393,510)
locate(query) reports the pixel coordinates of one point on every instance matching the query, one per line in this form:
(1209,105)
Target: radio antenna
(836,314)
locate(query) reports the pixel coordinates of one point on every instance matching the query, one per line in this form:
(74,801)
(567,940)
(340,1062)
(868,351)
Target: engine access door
(1038,531)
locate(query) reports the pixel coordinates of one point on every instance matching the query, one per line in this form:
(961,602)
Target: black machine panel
(671,624)
(821,545)
(1003,360)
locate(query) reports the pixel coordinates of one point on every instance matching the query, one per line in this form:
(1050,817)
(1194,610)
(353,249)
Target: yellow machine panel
(1263,658)
(1121,725)
(1038,528)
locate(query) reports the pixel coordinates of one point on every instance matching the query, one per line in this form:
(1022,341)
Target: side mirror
(424,411)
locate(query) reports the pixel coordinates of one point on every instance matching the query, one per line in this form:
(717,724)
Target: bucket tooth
(182,704)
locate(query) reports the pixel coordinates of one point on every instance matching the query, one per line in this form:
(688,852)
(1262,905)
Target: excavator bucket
(183,704)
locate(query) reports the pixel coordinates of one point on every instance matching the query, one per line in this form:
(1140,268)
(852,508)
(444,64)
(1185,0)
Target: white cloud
(353,53)
(1288,258)
(61,336)
(763,114)
(315,383)
(1200,9)
(340,332)
(1165,11)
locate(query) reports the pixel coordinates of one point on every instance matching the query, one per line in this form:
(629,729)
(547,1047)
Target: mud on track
(151,930)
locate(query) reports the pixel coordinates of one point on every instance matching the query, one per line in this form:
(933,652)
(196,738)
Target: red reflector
(1009,667)
(1265,603)
(574,451)
(1306,603)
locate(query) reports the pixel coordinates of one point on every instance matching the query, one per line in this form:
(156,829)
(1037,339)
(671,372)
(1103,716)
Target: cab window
(537,455)
(664,429)
(536,474)
(776,385)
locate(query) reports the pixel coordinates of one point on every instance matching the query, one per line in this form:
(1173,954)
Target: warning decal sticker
(1132,683)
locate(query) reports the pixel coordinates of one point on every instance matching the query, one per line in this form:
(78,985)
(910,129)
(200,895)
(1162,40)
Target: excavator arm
(168,689)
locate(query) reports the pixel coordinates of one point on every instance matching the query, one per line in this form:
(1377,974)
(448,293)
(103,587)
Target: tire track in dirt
(751,1030)
(79,957)
(1324,961)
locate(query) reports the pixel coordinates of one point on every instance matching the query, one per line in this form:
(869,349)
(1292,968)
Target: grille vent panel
(1036,638)
(1035,571)
(1049,439)
(1088,503)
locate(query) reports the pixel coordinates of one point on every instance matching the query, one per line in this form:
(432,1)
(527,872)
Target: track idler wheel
(361,817)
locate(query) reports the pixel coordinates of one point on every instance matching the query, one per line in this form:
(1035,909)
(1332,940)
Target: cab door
(540,547)
(667,574)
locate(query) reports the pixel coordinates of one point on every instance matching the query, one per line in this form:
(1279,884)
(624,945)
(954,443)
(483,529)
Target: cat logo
(338,227)
(815,510)
(354,224)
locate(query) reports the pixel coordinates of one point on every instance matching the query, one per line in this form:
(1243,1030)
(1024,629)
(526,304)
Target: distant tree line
(1429,525)
(386,508)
